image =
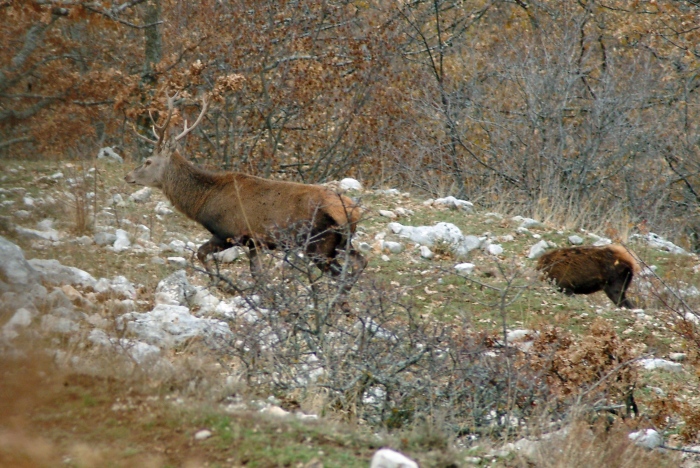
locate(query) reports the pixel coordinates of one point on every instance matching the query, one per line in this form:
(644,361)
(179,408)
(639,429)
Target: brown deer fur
(588,269)
(240,209)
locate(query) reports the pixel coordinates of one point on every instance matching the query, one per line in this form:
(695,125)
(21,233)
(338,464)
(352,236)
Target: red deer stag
(240,209)
(588,269)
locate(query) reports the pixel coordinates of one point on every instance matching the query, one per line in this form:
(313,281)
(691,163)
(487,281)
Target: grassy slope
(74,415)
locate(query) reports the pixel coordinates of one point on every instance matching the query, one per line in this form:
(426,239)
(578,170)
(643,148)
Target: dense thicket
(584,112)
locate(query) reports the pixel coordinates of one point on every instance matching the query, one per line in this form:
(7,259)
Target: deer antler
(187,130)
(159,130)
(153,142)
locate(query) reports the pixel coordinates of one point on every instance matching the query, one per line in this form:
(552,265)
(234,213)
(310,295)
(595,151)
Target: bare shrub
(386,365)
(598,445)
(595,371)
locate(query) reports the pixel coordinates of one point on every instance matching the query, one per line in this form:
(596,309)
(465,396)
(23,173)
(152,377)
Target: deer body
(588,269)
(240,209)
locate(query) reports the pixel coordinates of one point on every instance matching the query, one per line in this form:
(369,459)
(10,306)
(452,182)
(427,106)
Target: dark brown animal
(585,270)
(240,209)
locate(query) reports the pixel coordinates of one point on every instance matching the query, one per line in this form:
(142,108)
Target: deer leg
(616,292)
(213,245)
(256,266)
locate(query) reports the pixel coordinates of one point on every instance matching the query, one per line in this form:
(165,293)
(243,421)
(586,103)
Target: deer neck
(186,186)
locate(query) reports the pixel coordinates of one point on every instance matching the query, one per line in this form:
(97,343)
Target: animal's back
(586,269)
(245,203)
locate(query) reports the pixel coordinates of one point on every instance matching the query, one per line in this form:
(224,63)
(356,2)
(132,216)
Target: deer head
(150,173)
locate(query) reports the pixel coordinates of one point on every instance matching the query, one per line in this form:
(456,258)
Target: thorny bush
(386,365)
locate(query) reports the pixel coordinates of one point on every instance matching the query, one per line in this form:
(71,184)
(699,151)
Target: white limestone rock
(163,208)
(494,249)
(229,255)
(14,269)
(658,242)
(425,252)
(104,238)
(527,223)
(62,325)
(175,289)
(173,325)
(465,268)
(677,357)
(144,232)
(54,273)
(349,184)
(109,154)
(141,196)
(648,438)
(392,247)
(441,232)
(179,262)
(22,318)
(575,240)
(142,353)
(122,241)
(455,203)
(537,250)
(202,434)
(204,300)
(663,364)
(49,235)
(387,458)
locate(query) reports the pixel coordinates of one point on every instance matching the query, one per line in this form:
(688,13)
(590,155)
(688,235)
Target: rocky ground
(118,345)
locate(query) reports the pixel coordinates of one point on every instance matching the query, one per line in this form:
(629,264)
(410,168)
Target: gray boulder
(54,273)
(15,271)
(172,325)
(175,289)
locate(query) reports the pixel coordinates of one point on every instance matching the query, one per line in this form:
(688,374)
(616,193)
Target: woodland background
(581,113)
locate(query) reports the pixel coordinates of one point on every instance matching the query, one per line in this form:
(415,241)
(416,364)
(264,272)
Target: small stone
(274,410)
(109,154)
(392,247)
(179,262)
(71,293)
(465,268)
(364,247)
(648,439)
(387,458)
(677,357)
(84,240)
(663,364)
(144,233)
(456,203)
(229,255)
(575,240)
(21,318)
(104,238)
(537,250)
(122,241)
(202,435)
(163,209)
(349,184)
(388,214)
(425,252)
(494,249)
(141,196)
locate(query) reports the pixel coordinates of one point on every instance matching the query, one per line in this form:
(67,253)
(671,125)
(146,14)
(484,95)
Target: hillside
(118,347)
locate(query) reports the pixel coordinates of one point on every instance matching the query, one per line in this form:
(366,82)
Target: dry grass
(57,411)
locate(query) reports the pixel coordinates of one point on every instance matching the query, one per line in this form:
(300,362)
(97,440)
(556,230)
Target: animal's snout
(129,178)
